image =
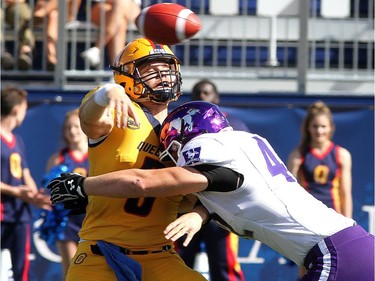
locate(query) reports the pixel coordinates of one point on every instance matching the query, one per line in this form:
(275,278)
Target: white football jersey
(270,206)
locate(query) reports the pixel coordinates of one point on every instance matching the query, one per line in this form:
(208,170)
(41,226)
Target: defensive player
(245,187)
(149,74)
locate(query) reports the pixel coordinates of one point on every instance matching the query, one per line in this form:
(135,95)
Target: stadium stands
(234,47)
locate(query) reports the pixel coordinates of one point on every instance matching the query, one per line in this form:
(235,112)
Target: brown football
(168,23)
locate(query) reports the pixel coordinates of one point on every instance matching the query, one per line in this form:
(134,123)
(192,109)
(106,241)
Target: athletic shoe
(92,56)
(7,61)
(24,61)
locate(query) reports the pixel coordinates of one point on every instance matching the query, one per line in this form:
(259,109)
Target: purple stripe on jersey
(345,256)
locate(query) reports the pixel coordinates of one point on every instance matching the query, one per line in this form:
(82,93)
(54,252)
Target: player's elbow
(140,187)
(150,183)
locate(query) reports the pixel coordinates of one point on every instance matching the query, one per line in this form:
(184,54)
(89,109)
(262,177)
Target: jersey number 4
(274,164)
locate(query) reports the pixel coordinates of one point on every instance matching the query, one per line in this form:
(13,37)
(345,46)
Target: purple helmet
(187,121)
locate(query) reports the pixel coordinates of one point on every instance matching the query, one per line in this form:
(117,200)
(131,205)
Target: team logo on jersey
(80,258)
(192,155)
(131,124)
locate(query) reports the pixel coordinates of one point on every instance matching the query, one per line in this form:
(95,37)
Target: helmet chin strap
(161,96)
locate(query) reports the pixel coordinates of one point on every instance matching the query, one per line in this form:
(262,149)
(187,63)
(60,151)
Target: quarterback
(147,77)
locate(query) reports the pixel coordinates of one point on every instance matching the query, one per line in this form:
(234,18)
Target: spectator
(74,157)
(47,10)
(322,167)
(18,188)
(220,244)
(18,16)
(7,60)
(118,15)
(206,90)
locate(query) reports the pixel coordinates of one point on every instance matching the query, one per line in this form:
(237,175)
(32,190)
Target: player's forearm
(22,192)
(146,183)
(93,119)
(346,205)
(348,210)
(6,189)
(29,181)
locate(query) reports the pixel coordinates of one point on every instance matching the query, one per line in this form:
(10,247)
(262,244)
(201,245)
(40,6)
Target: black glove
(76,207)
(68,187)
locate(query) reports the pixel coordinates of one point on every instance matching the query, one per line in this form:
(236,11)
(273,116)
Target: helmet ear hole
(136,89)
(171,153)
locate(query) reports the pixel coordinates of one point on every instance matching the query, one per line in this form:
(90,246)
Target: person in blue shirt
(18,189)
(74,156)
(322,167)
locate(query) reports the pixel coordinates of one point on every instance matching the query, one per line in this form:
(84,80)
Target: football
(167,23)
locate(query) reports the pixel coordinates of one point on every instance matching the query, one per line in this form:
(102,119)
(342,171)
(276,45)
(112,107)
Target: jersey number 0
(142,206)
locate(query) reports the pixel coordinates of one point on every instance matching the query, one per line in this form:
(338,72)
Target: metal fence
(245,46)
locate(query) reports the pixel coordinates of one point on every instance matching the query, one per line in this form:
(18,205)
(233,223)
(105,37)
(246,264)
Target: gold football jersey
(133,223)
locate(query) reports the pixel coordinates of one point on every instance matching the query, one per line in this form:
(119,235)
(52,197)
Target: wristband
(100,96)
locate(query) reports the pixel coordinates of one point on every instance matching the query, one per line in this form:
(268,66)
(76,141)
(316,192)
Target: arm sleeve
(220,179)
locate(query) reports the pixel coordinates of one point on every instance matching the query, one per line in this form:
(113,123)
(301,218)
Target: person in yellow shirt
(123,134)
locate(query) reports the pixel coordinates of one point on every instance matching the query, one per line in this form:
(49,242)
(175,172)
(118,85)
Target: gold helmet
(143,51)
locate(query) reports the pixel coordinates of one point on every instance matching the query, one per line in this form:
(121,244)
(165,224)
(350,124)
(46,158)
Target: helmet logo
(187,121)
(158,51)
(192,155)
